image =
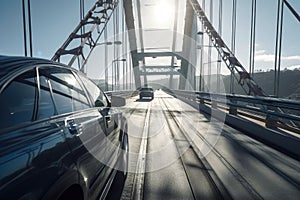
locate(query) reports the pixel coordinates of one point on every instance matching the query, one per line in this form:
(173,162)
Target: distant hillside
(289,83)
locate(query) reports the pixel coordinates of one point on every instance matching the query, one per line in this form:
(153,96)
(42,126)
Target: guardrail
(275,113)
(125,93)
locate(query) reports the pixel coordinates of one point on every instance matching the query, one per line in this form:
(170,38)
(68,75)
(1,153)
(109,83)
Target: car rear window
(18,100)
(146,89)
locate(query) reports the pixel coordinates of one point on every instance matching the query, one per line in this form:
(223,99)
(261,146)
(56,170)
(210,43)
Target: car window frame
(39,96)
(79,82)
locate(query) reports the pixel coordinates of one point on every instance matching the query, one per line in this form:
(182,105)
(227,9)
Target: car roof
(9,64)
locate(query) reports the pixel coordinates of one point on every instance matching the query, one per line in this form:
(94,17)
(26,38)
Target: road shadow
(115,192)
(144,100)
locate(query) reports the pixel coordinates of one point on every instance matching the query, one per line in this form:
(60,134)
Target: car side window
(68,95)
(18,100)
(96,94)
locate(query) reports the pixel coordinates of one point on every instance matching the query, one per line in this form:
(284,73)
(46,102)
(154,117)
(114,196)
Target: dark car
(60,136)
(146,92)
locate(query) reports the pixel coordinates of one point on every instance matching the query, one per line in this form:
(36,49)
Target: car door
(33,148)
(84,126)
(111,119)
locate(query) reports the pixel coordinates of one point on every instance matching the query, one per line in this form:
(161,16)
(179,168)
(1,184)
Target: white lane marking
(138,183)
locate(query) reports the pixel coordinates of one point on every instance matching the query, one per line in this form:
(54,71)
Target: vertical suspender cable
(211,15)
(82,29)
(233,26)
(113,69)
(106,60)
(279,50)
(24,27)
(276,47)
(117,48)
(125,33)
(123,48)
(82,15)
(233,42)
(80,10)
(29,27)
(252,38)
(196,54)
(220,33)
(201,84)
(201,60)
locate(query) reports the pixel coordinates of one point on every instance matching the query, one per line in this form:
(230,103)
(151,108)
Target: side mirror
(117,101)
(99,103)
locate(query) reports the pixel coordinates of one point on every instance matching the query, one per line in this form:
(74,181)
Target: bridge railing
(273,112)
(124,93)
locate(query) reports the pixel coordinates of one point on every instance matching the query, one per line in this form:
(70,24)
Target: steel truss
(94,22)
(160,70)
(232,63)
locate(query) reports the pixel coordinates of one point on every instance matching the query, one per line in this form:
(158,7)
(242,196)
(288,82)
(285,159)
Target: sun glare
(164,11)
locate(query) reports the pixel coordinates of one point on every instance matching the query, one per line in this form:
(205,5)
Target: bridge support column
(186,47)
(129,19)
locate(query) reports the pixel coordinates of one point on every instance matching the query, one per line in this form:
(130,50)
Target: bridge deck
(191,156)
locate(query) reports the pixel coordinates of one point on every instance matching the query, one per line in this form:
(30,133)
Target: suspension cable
(114,84)
(279,50)
(211,13)
(123,47)
(201,84)
(117,10)
(30,29)
(220,32)
(82,30)
(106,60)
(252,38)
(276,46)
(24,27)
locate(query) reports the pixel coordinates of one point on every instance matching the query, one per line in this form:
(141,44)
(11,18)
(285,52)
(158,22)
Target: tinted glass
(67,93)
(17,100)
(46,107)
(94,91)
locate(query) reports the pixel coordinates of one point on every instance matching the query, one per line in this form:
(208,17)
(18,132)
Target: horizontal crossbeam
(141,56)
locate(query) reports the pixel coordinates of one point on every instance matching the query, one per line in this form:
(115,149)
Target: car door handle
(75,129)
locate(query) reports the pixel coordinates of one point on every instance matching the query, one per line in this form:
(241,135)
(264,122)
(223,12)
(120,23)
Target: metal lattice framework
(160,70)
(232,63)
(86,34)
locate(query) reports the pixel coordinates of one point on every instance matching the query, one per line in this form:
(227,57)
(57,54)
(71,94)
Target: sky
(54,20)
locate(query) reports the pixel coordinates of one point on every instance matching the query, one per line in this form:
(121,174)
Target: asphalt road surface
(178,153)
